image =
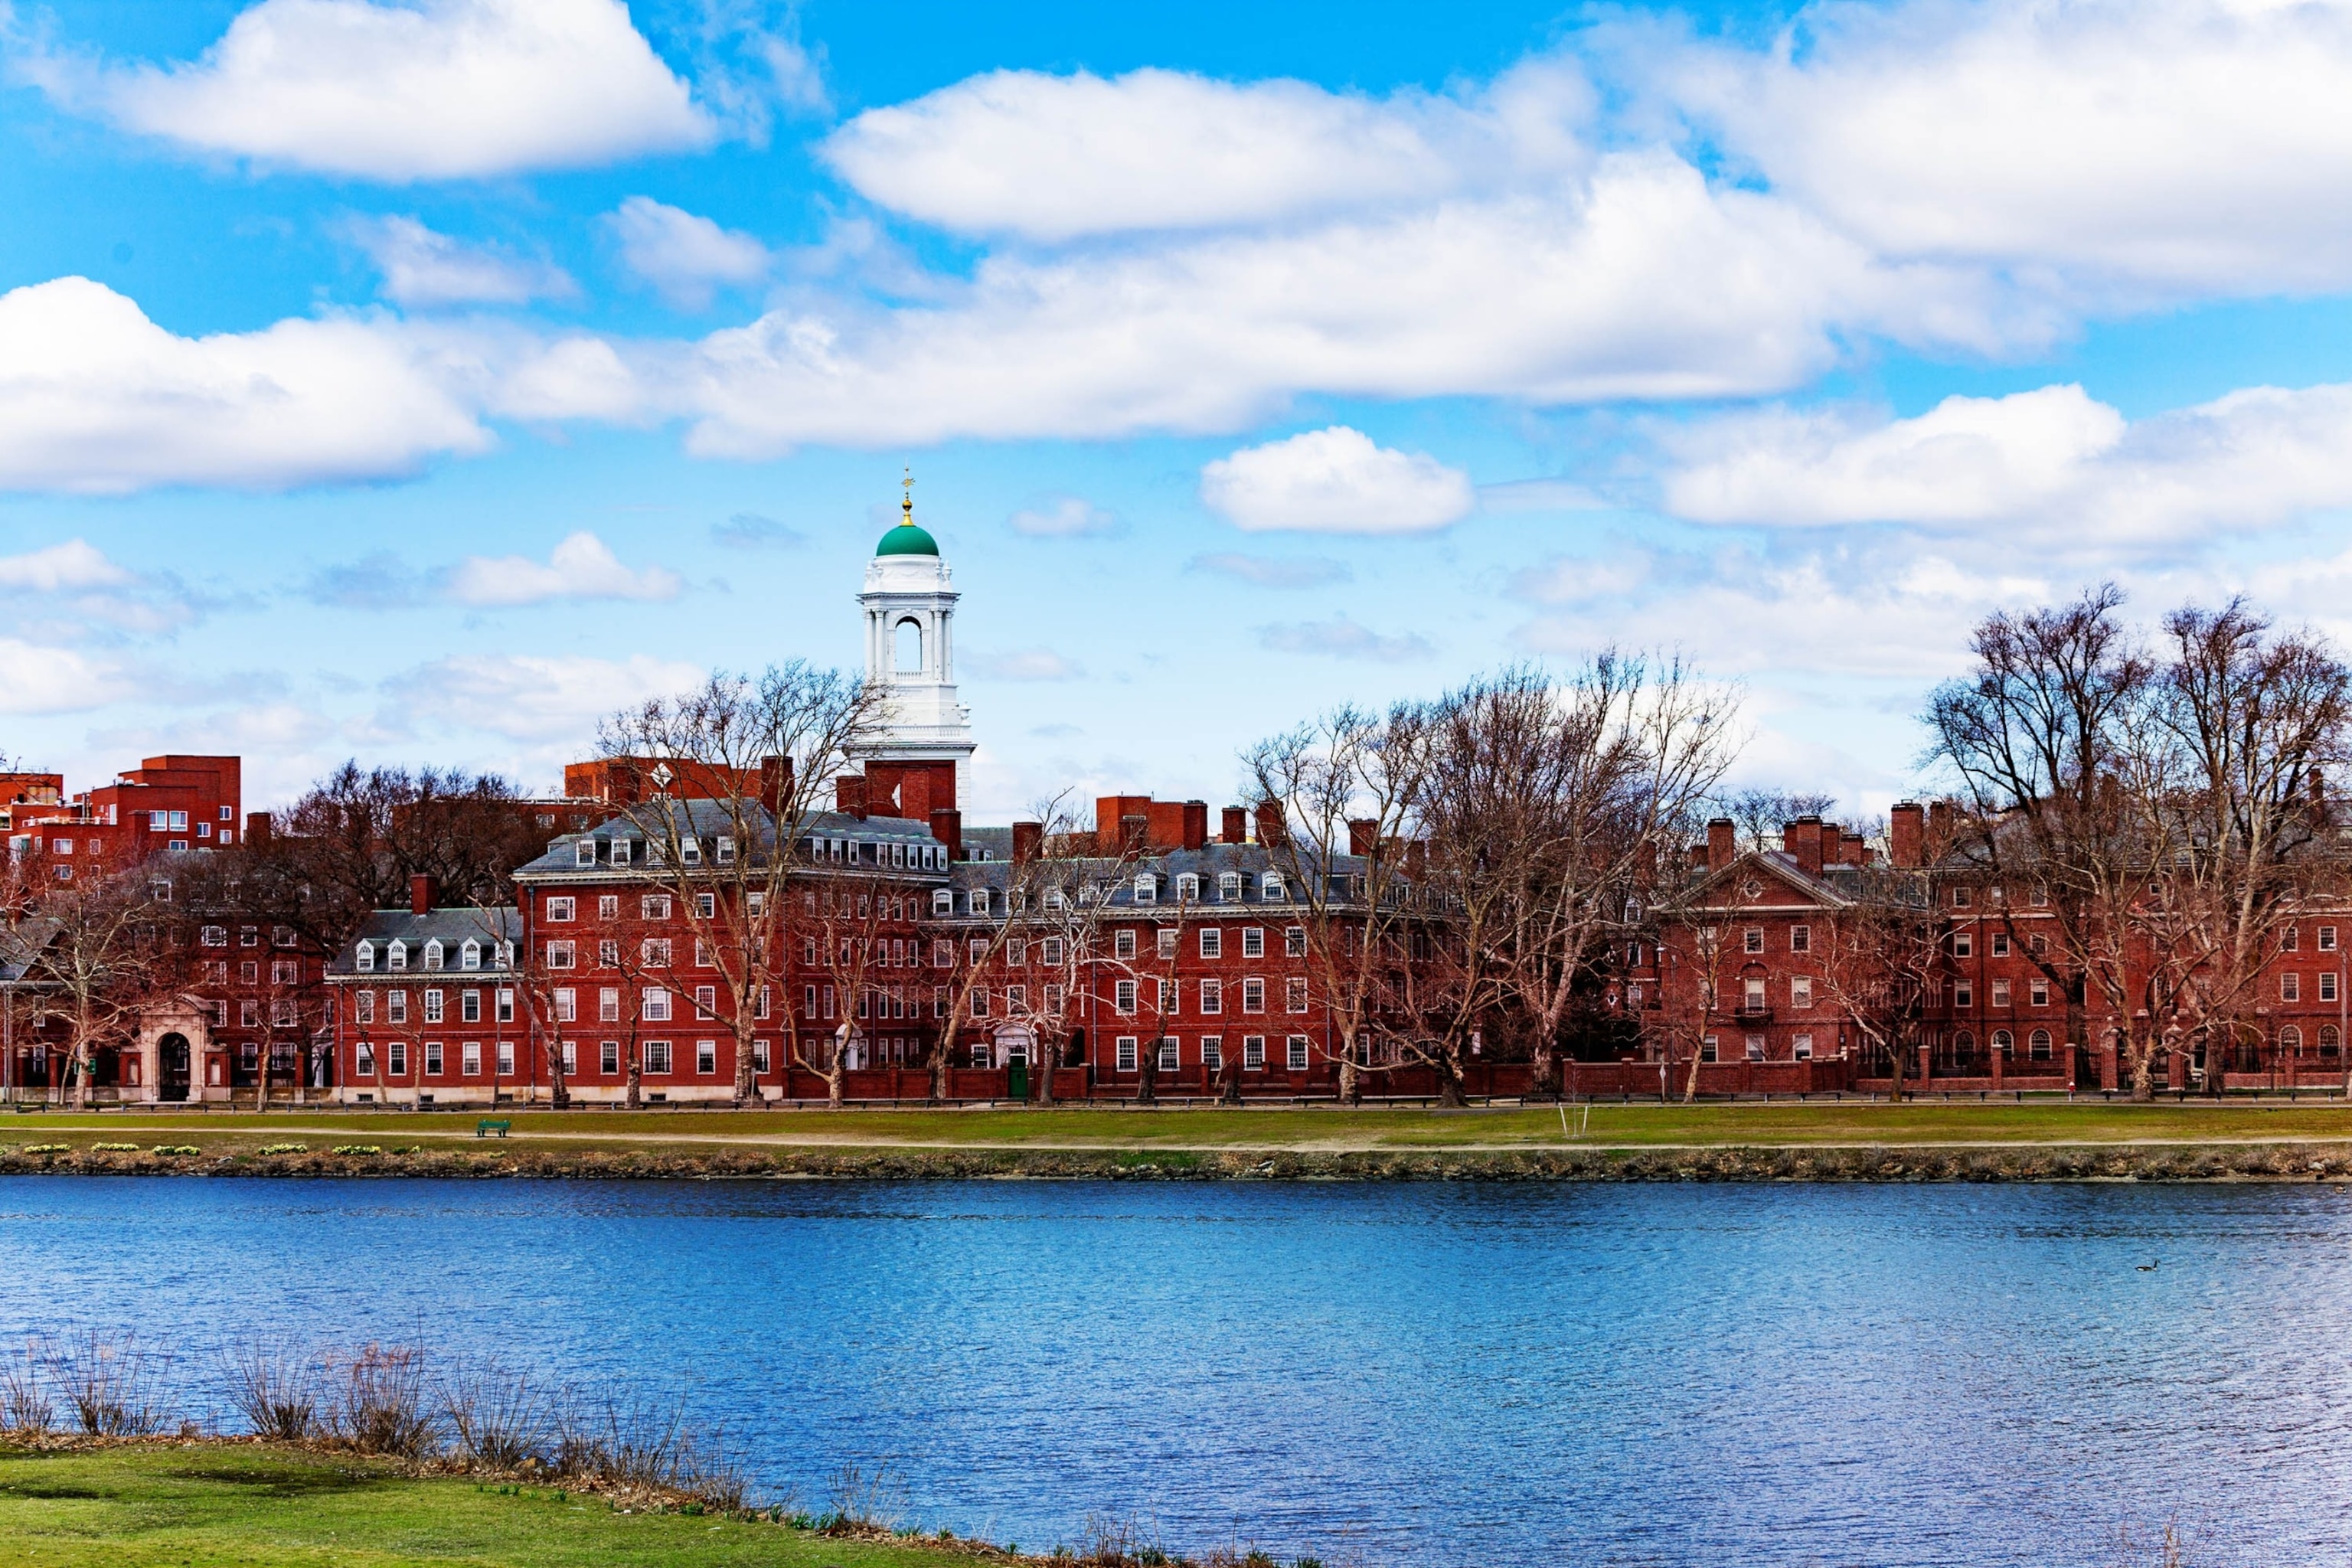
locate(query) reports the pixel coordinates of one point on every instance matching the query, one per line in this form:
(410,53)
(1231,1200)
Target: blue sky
(417,380)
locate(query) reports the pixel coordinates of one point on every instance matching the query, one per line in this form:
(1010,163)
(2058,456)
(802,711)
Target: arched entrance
(175,1062)
(1016,1052)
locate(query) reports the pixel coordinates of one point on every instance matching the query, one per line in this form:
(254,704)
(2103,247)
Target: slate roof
(452,927)
(709,820)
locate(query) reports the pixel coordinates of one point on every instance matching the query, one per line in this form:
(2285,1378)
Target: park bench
(486,1126)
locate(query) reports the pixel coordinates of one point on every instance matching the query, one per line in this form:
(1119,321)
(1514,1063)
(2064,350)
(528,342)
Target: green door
(1019,1079)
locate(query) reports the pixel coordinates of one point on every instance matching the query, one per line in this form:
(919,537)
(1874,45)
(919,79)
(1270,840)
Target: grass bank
(1834,1141)
(236,1503)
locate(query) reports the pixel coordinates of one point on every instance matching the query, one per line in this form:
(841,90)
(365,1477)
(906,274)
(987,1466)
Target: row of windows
(1208,1052)
(1145,887)
(562,909)
(433,955)
(623,851)
(656,1058)
(436,1002)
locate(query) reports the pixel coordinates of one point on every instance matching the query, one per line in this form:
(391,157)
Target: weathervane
(907,507)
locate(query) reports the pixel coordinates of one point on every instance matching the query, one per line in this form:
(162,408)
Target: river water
(1505,1374)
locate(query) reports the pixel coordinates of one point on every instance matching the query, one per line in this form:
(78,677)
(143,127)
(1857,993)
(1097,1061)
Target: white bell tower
(910,646)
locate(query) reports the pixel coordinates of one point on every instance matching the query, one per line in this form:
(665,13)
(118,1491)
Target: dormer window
(506,955)
(943,903)
(470,955)
(655,853)
(979,901)
(1054,899)
(396,955)
(621,851)
(1229,888)
(726,850)
(689,851)
(1147,889)
(1269,887)
(1187,889)
(584,852)
(363,959)
(433,953)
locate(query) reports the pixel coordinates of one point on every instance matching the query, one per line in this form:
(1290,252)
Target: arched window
(433,953)
(909,641)
(2038,1043)
(2003,1044)
(2291,1041)
(2329,1040)
(1964,1044)
(470,955)
(364,959)
(396,955)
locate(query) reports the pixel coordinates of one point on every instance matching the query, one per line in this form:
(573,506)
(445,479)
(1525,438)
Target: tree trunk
(85,1062)
(1147,1082)
(745,1087)
(1449,1079)
(1044,1071)
(941,1054)
(1543,1068)
(1229,1081)
(636,1077)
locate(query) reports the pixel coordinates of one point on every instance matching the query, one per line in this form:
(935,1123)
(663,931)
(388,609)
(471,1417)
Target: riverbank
(1848,1141)
(163,1505)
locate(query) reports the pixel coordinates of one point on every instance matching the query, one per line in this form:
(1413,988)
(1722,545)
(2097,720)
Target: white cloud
(434,89)
(1336,481)
(537,697)
(1024,663)
(581,567)
(38,679)
(1053,157)
(77,563)
(424,268)
(1066,516)
(2172,145)
(2068,468)
(96,398)
(1340,638)
(684,255)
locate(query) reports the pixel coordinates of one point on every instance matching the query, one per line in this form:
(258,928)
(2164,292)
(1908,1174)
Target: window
(1755,1048)
(366,1067)
(433,1062)
(469,1007)
(706,906)
(1751,995)
(759,1047)
(1963,944)
(567,1005)
(1123,997)
(706,1057)
(1229,888)
(1188,888)
(1147,889)
(1253,941)
(2000,944)
(1123,1060)
(2328,939)
(1122,944)
(657,1057)
(1752,939)
(1294,1053)
(706,1001)
(978,902)
(1170,1059)
(654,952)
(1212,942)
(1253,1053)
(1801,1047)
(2037,944)
(469,1059)
(1212,1052)
(2037,1045)
(608,1059)
(1169,1001)
(2290,987)
(689,852)
(2329,1040)
(1294,942)
(558,955)
(1959,897)
(943,901)
(1269,887)
(2327,986)
(560,908)
(1801,991)
(506,1058)
(1294,993)
(653,1004)
(654,907)
(584,852)
(1213,995)
(980,1002)
(2291,939)
(433,1006)
(1253,995)
(2291,1041)
(365,1012)
(1049,952)
(608,906)
(1800,939)
(608,953)
(396,1008)
(2000,993)
(1166,947)
(2003,1043)
(364,960)
(396,954)
(2037,992)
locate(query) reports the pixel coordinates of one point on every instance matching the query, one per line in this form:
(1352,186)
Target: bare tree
(852,930)
(1758,815)
(102,963)
(1877,952)
(740,766)
(1064,903)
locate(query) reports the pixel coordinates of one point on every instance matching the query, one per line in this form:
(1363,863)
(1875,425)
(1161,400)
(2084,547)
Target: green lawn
(231,1507)
(1316,1129)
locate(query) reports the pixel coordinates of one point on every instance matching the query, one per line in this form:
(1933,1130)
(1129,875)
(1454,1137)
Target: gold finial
(907,507)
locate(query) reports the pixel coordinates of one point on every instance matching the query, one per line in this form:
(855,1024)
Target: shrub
(867,1499)
(376,1402)
(23,1409)
(48,1149)
(175,1149)
(499,1418)
(116,1148)
(358,1149)
(285,1149)
(110,1385)
(274,1386)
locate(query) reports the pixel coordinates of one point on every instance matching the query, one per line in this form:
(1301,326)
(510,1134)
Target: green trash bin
(1018,1083)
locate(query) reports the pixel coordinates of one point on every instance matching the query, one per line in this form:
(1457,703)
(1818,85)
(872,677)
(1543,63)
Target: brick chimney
(850,794)
(1906,835)
(1722,844)
(421,894)
(1802,841)
(775,783)
(258,826)
(1272,831)
(1850,850)
(1028,838)
(1940,825)
(1363,836)
(1196,825)
(1698,856)
(1236,826)
(947,827)
(1134,833)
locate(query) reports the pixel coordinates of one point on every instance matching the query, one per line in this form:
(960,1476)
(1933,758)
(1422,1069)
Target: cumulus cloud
(685,257)
(1336,481)
(35,679)
(97,399)
(1024,663)
(2169,145)
(749,531)
(431,90)
(1270,571)
(2055,460)
(581,567)
(1065,517)
(1340,638)
(422,269)
(537,697)
(1053,157)
(58,568)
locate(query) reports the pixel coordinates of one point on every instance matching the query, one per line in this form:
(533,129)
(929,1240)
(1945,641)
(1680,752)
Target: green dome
(907,540)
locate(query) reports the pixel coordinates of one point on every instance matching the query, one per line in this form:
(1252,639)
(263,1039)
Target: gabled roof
(1822,890)
(21,945)
(452,927)
(710,819)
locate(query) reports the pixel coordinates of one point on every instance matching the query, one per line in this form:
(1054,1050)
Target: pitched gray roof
(453,927)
